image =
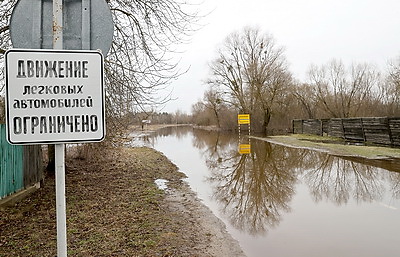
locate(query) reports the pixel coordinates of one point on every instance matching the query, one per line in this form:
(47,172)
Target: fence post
(321,130)
(343,132)
(362,129)
(389,132)
(292,126)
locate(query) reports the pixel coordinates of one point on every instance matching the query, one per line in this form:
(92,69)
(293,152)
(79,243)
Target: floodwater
(279,201)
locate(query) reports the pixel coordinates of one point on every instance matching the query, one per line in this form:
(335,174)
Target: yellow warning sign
(243,118)
(244,148)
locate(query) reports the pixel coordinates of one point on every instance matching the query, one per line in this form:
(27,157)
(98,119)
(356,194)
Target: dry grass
(113,209)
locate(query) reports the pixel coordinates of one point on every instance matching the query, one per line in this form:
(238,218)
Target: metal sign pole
(60,201)
(249,133)
(59,148)
(92,30)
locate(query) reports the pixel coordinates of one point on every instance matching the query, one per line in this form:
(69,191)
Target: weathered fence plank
(353,129)
(312,127)
(297,126)
(325,126)
(33,164)
(394,125)
(336,128)
(375,130)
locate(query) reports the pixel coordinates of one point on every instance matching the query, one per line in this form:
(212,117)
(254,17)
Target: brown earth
(114,208)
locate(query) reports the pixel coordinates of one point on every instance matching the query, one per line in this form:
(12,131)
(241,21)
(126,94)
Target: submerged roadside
(333,146)
(114,208)
(379,156)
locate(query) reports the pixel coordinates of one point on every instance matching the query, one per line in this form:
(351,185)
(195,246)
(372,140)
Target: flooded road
(279,201)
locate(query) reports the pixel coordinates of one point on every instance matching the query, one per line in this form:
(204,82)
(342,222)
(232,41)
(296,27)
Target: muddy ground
(114,208)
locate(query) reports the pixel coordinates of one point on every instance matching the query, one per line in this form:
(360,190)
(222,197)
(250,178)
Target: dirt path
(114,208)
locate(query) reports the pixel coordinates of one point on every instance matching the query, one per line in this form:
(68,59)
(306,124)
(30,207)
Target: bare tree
(342,92)
(141,60)
(390,90)
(250,73)
(5,14)
(213,102)
(304,95)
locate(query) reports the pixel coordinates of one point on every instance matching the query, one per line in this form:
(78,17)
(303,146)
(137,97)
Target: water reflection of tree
(338,180)
(212,144)
(395,184)
(177,131)
(255,188)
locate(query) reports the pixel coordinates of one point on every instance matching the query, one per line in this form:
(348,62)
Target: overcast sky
(311,32)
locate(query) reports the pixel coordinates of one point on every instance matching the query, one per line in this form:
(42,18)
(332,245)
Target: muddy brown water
(281,201)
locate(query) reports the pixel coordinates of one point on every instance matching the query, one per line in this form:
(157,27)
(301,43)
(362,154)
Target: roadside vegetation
(114,208)
(250,74)
(141,62)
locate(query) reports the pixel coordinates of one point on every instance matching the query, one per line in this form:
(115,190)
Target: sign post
(57,96)
(61,206)
(244,119)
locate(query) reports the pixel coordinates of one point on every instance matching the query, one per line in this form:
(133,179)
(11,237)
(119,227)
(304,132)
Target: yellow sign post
(244,148)
(243,118)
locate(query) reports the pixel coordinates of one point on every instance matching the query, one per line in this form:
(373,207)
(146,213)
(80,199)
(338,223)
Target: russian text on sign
(49,69)
(53,103)
(54,96)
(53,90)
(55,124)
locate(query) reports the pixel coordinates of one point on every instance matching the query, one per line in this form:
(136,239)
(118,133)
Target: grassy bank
(334,146)
(114,208)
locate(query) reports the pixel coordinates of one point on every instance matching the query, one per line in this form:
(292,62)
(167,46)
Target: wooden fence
(375,130)
(20,166)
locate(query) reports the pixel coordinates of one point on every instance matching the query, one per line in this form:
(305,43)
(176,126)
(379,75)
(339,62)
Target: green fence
(20,166)
(11,166)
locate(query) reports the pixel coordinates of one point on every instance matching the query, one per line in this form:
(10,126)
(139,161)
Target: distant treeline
(250,75)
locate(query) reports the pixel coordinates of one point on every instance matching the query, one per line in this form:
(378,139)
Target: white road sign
(54,96)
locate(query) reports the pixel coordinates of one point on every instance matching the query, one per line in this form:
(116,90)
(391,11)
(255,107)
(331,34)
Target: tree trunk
(51,165)
(267,118)
(217,117)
